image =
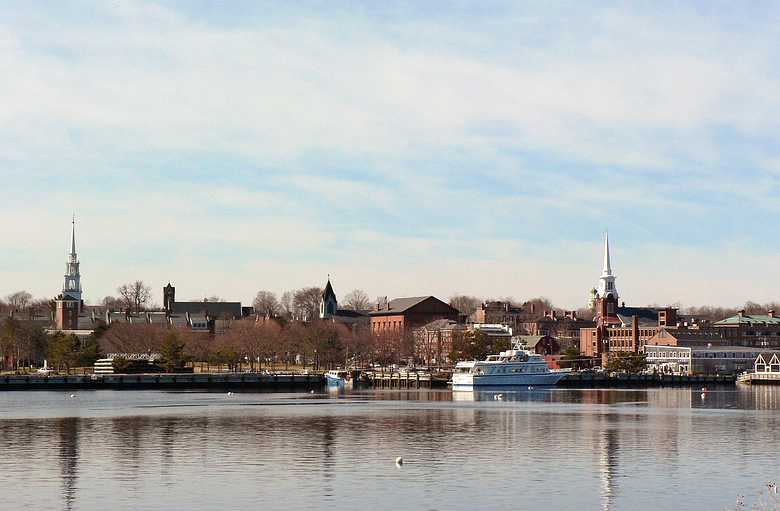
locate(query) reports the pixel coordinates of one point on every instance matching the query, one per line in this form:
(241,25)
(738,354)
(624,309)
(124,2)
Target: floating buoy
(530,387)
(399,461)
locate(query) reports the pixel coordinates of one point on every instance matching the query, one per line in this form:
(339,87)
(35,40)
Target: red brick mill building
(404,314)
(393,323)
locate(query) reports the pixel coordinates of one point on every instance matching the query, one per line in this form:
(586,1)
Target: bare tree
(132,338)
(19,300)
(286,304)
(134,295)
(465,304)
(306,302)
(266,304)
(357,300)
(112,303)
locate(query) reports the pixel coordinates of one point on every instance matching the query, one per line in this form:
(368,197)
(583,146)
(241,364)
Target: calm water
(541,449)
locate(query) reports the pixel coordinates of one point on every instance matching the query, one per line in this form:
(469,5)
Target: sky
(404,148)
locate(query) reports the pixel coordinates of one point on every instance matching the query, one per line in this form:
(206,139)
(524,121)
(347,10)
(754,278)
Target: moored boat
(338,378)
(508,368)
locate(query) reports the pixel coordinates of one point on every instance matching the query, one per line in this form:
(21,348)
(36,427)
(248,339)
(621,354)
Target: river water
(534,449)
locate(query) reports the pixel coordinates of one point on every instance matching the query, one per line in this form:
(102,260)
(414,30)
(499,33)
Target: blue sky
(406,148)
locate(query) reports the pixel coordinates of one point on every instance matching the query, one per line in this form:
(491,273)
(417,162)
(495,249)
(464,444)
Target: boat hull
(337,382)
(470,381)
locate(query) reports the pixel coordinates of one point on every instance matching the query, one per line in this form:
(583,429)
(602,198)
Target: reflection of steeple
(608,461)
(68,457)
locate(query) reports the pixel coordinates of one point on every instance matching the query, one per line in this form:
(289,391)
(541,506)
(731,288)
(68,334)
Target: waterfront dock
(574,380)
(760,378)
(406,379)
(166,381)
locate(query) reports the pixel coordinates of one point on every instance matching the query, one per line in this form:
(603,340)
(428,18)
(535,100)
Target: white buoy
(399,461)
(530,387)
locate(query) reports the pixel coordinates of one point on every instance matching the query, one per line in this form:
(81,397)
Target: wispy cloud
(418,147)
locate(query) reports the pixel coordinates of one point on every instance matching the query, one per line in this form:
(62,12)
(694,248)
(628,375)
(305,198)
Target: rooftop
(750,319)
(399,305)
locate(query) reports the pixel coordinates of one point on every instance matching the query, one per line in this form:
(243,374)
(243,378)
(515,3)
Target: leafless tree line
(252,344)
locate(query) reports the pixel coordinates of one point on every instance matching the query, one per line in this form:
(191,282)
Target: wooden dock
(643,380)
(405,379)
(760,378)
(166,381)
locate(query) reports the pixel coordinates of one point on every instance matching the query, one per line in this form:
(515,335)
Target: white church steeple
(72,285)
(606,285)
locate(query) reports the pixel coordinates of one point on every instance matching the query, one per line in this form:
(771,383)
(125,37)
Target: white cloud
(630,95)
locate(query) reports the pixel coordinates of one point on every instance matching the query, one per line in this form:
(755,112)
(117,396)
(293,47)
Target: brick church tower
(69,303)
(605,302)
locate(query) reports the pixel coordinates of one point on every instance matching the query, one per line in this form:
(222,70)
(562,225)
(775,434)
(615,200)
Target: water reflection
(68,431)
(608,449)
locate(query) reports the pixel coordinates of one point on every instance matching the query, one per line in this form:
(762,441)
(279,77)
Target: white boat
(508,368)
(338,378)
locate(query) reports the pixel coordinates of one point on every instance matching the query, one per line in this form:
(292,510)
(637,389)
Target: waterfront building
(755,329)
(767,362)
(402,314)
(433,341)
(705,360)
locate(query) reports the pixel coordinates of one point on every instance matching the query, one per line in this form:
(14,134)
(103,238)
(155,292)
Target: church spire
(607,270)
(606,287)
(73,236)
(72,283)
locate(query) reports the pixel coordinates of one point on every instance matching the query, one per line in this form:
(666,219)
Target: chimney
(771,313)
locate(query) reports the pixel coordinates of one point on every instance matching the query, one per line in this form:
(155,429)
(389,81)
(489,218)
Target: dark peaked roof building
(329,309)
(405,313)
(216,310)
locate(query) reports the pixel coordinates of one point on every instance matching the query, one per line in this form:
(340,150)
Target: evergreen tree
(172,352)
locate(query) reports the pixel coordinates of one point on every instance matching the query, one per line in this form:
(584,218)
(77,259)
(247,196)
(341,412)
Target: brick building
(404,314)
(619,328)
(433,341)
(500,313)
